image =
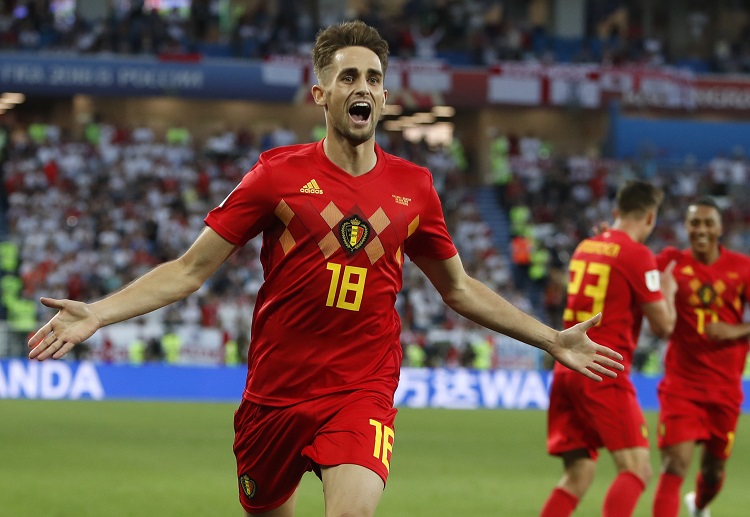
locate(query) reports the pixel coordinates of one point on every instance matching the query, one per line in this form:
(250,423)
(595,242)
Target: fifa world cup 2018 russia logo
(354,232)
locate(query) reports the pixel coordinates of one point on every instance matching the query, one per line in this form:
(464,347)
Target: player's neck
(632,228)
(354,159)
(707,257)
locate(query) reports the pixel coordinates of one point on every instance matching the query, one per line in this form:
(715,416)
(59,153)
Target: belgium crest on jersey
(354,232)
(706,294)
(248,486)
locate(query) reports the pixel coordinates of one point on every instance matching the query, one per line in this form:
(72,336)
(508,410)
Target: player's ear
(319,95)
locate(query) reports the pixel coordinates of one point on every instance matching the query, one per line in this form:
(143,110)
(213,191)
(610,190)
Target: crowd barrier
(457,388)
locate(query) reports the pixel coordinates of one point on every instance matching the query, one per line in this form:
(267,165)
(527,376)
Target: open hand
(575,350)
(75,322)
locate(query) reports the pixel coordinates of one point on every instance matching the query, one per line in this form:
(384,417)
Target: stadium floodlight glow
(413,120)
(423,118)
(443,111)
(392,125)
(12,98)
(392,109)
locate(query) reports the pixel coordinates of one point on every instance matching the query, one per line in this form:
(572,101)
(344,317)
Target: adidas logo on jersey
(311,188)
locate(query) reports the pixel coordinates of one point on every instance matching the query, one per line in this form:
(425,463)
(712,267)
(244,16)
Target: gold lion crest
(248,486)
(354,232)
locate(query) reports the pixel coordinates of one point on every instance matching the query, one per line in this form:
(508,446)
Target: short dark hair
(636,197)
(706,201)
(347,34)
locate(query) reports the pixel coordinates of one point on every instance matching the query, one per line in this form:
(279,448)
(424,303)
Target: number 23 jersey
(614,275)
(332,256)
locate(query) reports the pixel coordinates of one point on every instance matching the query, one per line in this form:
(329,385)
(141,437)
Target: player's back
(615,275)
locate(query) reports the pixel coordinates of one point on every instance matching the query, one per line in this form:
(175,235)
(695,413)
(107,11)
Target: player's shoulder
(631,245)
(735,257)
(635,256)
(618,243)
(734,254)
(287,153)
(670,253)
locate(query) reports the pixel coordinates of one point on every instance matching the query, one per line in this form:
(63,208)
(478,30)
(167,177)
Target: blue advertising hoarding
(419,387)
(61,75)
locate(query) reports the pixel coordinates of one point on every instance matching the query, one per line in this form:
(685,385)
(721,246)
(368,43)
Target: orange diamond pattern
(374,250)
(332,216)
(329,245)
(720,287)
(413,226)
(379,220)
(287,241)
(284,212)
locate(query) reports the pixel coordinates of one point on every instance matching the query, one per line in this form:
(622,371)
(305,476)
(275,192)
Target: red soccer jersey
(694,365)
(614,275)
(332,255)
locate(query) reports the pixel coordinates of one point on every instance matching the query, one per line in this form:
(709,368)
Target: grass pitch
(63,458)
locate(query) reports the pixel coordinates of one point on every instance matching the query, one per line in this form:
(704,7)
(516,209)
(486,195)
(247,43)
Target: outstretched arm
(477,302)
(76,321)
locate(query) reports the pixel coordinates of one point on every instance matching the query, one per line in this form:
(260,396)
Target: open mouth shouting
(360,113)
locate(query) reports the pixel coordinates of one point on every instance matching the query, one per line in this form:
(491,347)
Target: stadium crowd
(464,32)
(91,213)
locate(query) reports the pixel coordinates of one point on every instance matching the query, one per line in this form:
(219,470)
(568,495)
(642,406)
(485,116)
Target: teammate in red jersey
(616,274)
(701,391)
(338,218)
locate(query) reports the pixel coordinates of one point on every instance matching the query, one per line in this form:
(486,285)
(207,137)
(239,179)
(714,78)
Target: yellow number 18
(339,294)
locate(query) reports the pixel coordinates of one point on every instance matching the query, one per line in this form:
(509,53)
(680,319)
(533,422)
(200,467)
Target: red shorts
(275,446)
(584,414)
(683,419)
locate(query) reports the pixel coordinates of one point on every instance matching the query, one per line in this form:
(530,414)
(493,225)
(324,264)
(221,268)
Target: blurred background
(123,123)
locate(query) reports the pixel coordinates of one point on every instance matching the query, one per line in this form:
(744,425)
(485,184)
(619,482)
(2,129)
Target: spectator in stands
(470,31)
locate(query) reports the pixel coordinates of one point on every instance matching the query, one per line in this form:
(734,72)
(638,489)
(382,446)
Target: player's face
(354,94)
(703,225)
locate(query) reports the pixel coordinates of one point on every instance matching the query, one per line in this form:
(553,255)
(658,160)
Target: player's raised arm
(477,302)
(165,284)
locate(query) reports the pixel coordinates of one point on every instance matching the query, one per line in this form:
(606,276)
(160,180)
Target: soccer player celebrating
(616,274)
(338,218)
(701,391)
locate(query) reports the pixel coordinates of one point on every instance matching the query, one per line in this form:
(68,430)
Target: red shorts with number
(275,446)
(584,414)
(684,419)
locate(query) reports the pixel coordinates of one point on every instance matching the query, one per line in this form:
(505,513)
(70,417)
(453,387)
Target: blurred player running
(616,274)
(701,391)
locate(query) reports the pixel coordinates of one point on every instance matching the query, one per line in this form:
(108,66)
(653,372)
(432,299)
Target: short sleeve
(247,210)
(645,277)
(430,238)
